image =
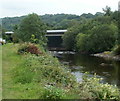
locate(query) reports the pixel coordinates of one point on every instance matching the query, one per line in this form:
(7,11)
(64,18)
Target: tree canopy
(53,21)
(107,11)
(31,29)
(94,35)
(87,32)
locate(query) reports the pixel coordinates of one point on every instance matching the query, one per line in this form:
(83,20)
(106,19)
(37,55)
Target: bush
(53,93)
(116,50)
(46,71)
(29,48)
(43,66)
(92,88)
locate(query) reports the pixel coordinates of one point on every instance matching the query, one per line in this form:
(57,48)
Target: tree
(2,32)
(31,26)
(107,11)
(69,38)
(102,38)
(118,37)
(81,42)
(99,14)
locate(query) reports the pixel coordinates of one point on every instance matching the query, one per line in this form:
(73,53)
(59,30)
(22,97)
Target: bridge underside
(55,43)
(55,39)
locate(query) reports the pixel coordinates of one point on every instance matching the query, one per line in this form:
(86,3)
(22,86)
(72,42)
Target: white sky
(10,8)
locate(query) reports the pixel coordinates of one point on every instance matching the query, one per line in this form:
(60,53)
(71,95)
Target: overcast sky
(10,8)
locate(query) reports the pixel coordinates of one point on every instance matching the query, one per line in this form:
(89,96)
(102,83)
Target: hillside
(56,21)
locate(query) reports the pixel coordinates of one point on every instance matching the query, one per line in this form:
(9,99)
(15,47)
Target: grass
(18,86)
(13,90)
(9,61)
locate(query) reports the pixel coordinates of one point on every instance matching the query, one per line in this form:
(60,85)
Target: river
(79,64)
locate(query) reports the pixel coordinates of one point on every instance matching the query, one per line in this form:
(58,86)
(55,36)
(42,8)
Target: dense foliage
(94,35)
(53,21)
(43,66)
(118,20)
(93,89)
(9,22)
(31,29)
(101,39)
(69,38)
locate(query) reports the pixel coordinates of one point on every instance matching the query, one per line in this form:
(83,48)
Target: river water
(79,64)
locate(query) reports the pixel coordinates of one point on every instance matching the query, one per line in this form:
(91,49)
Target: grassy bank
(29,76)
(10,61)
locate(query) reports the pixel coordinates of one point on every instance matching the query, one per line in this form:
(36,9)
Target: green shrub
(53,93)
(29,48)
(36,68)
(46,70)
(92,88)
(116,50)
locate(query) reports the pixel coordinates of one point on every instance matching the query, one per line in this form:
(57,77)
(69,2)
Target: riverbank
(107,55)
(29,76)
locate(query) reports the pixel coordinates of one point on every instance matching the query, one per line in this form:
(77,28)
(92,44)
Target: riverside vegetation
(30,72)
(27,75)
(87,33)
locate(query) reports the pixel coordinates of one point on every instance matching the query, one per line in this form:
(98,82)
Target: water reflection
(107,69)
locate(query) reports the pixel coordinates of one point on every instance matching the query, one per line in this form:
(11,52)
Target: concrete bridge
(55,39)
